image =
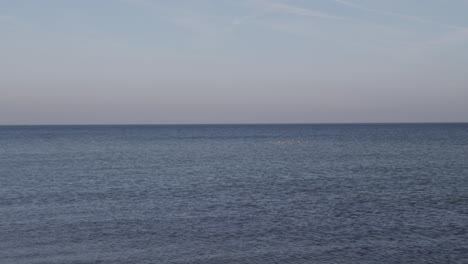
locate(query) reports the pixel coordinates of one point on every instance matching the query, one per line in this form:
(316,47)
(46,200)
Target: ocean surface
(366,193)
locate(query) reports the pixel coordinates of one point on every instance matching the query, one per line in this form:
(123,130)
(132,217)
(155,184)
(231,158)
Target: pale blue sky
(233,61)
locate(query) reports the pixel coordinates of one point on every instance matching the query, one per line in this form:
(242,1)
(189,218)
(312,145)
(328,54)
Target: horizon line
(247,123)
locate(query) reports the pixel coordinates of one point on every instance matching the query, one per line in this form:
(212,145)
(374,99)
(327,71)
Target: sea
(266,193)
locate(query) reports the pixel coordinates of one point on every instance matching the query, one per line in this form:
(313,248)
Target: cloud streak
(295,10)
(279,7)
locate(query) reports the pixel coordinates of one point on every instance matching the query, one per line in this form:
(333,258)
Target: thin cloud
(264,7)
(278,6)
(269,6)
(295,10)
(395,14)
(352,5)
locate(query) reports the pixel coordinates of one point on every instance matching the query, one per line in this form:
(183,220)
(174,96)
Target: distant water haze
(249,61)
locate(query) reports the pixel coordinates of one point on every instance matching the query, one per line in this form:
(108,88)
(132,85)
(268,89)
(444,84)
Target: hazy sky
(233,61)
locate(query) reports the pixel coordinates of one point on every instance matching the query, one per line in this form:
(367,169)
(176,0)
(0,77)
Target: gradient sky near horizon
(233,61)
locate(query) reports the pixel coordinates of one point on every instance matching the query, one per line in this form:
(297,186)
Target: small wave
(288,142)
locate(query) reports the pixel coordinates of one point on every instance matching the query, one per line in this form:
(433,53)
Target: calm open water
(234,194)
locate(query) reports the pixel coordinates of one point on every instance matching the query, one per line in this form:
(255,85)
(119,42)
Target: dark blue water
(234,194)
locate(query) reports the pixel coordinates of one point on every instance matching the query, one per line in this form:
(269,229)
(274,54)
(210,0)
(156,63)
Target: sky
(233,61)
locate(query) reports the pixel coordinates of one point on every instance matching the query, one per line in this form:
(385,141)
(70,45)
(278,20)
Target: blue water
(389,193)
